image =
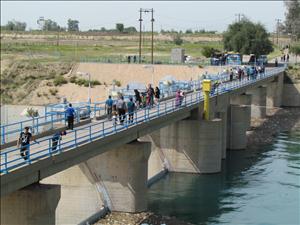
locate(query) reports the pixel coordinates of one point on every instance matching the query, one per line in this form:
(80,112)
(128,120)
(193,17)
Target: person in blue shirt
(55,139)
(70,116)
(130,108)
(108,107)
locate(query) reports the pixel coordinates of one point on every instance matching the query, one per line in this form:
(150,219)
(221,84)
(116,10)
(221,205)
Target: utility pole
(140,46)
(239,16)
(152,33)
(277,31)
(152,21)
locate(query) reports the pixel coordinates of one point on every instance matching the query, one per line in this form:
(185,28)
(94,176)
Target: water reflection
(257,186)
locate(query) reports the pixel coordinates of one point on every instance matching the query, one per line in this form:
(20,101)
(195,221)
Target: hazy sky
(179,15)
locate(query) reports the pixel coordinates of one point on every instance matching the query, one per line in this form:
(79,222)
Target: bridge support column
(191,146)
(274,93)
(33,205)
(121,175)
(223,117)
(258,102)
(237,127)
(244,100)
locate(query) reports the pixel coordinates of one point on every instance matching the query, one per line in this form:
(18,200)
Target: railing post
(90,132)
(29,156)
(59,145)
(5,162)
(37,125)
(165,108)
(75,134)
(51,121)
(49,147)
(103,133)
(145,113)
(136,121)
(158,110)
(3,135)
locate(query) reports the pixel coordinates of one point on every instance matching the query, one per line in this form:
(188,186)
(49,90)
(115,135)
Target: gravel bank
(264,131)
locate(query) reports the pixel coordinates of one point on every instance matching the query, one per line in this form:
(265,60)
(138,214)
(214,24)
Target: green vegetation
(247,37)
(59,80)
(14,26)
(209,51)
(53,91)
(84,82)
(295,49)
(177,40)
(117,83)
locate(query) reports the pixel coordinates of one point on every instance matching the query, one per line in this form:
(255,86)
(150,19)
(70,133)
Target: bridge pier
(274,93)
(238,117)
(243,100)
(191,146)
(32,205)
(258,102)
(121,175)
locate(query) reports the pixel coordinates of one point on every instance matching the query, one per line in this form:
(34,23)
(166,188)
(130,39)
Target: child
(114,114)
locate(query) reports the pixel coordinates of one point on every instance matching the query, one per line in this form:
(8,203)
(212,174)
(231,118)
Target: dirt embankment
(34,84)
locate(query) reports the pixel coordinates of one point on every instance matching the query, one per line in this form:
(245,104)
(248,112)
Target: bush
(117,83)
(53,91)
(73,79)
(59,80)
(208,51)
(177,40)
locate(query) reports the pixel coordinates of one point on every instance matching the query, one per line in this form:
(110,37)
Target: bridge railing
(11,159)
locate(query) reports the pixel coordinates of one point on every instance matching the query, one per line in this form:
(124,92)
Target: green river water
(256,186)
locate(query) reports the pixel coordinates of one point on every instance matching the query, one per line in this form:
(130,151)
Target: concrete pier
(33,205)
(80,198)
(121,176)
(191,146)
(258,102)
(237,127)
(274,93)
(244,100)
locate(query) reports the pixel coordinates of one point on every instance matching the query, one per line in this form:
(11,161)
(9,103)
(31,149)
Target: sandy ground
(106,73)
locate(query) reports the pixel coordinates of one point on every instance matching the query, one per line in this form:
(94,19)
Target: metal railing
(11,159)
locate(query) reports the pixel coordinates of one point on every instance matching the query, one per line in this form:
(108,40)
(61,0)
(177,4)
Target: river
(256,186)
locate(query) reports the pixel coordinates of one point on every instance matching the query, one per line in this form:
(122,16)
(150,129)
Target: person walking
(287,58)
(114,115)
(276,62)
(138,99)
(121,107)
(130,110)
(240,74)
(108,107)
(231,75)
(150,95)
(283,58)
(70,116)
(156,94)
(56,138)
(24,142)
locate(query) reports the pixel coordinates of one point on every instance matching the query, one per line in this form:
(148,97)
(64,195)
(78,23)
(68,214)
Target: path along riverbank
(262,132)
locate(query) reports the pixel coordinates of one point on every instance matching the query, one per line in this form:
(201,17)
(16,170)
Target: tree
(209,51)
(295,49)
(130,30)
(177,39)
(292,17)
(50,25)
(120,27)
(189,31)
(247,37)
(73,25)
(14,26)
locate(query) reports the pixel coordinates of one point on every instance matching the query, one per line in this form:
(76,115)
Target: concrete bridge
(102,164)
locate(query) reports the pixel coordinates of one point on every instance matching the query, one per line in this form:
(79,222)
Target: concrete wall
(237,127)
(191,146)
(243,100)
(258,102)
(291,93)
(79,197)
(33,205)
(121,174)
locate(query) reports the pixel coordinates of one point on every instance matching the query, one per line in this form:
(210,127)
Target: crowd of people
(116,110)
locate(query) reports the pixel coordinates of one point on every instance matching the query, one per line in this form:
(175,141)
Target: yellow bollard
(206,87)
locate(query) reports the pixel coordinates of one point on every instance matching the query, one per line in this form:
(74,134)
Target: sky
(177,15)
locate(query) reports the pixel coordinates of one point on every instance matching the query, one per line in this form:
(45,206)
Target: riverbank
(264,131)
